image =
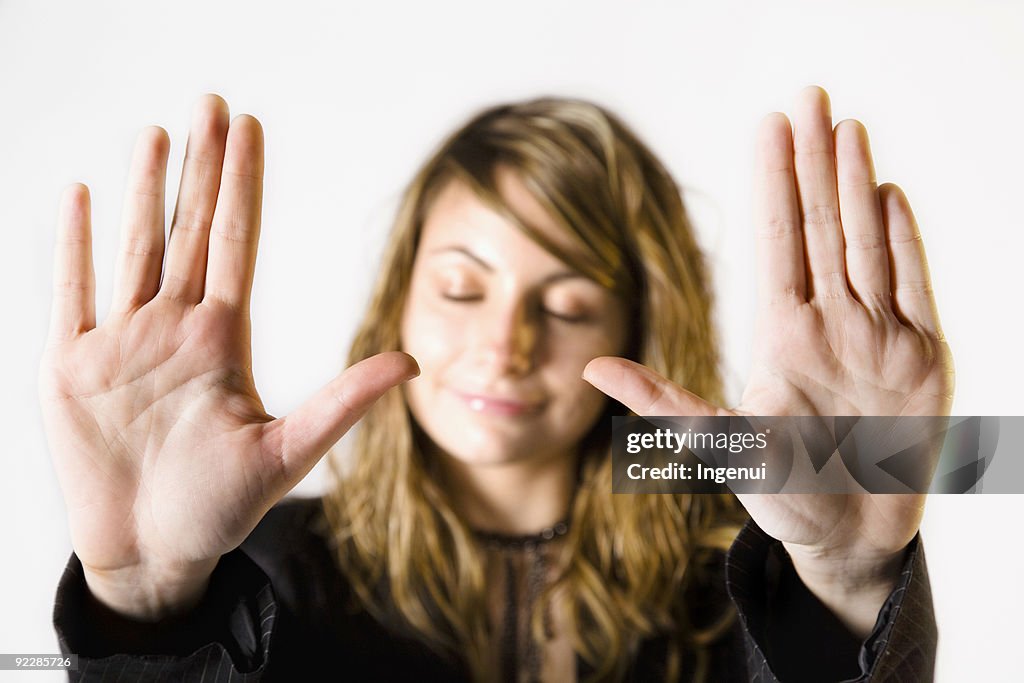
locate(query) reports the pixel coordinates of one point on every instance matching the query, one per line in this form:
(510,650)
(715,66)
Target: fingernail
(414,374)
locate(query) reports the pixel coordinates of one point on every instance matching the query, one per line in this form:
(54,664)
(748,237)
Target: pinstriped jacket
(275,612)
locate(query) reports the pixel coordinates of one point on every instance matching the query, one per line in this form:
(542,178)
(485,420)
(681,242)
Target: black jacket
(274,612)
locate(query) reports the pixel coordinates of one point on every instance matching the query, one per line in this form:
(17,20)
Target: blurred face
(502,331)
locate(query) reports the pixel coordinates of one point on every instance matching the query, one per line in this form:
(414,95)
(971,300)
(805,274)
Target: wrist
(151,593)
(854,587)
(844,571)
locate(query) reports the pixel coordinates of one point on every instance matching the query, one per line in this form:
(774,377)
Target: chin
(487,452)
(471,447)
(485,460)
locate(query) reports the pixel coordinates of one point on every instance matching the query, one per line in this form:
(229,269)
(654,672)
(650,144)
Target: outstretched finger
(73,310)
(298,441)
(780,251)
(814,159)
(644,391)
(142,222)
(185,273)
(867,263)
(912,294)
(235,232)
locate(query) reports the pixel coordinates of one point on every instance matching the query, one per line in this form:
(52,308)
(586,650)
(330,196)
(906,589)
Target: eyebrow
(458,248)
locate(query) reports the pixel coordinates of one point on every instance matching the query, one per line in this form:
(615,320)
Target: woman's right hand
(164,452)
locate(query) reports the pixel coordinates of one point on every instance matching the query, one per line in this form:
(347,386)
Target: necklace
(514,542)
(536,577)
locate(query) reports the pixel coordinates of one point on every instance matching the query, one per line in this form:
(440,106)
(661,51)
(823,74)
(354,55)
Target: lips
(493,405)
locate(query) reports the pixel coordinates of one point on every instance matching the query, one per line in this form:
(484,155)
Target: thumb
(299,440)
(644,391)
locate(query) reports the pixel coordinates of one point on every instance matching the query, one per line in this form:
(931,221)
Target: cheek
(423,338)
(580,405)
(578,399)
(429,337)
(572,349)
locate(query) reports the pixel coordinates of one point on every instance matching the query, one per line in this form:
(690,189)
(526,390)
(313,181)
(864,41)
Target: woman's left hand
(847,325)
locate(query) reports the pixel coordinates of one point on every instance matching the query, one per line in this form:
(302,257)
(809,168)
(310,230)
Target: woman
(542,254)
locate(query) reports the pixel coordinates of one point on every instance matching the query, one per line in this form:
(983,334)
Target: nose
(511,339)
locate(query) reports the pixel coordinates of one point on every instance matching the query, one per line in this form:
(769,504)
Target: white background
(352,98)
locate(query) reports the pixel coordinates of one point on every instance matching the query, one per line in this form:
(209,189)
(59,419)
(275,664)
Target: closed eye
(571,319)
(469,298)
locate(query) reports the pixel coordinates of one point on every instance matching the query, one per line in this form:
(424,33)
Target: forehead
(459,217)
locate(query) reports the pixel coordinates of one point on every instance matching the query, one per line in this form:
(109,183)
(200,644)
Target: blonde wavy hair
(628,560)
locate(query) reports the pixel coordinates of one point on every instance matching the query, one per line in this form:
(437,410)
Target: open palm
(165,454)
(846,325)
